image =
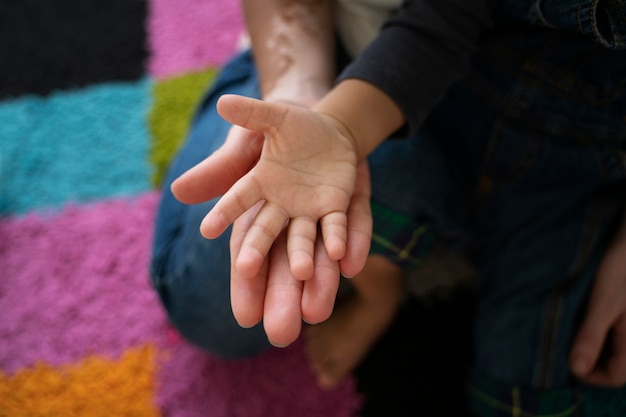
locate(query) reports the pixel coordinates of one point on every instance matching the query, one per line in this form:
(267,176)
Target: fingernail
(246,326)
(278,345)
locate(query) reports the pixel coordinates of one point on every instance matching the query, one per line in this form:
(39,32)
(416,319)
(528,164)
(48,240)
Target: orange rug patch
(94,387)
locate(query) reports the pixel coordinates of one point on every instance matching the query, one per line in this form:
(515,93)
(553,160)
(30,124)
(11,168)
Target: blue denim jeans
(537,137)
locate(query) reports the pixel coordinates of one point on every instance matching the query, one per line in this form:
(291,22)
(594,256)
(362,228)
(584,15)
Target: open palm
(305,177)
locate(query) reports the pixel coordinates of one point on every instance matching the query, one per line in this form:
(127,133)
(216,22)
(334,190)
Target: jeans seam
(555,301)
(618,37)
(594,24)
(548,339)
(623,13)
(536,9)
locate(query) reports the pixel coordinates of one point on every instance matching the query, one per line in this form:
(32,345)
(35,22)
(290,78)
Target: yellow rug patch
(94,387)
(175,101)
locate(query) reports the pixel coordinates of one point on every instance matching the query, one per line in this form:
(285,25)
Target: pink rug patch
(76,283)
(192,35)
(277,383)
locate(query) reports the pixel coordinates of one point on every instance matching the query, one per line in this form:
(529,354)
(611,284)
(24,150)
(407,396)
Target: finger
(588,344)
(260,237)
(282,314)
(358,247)
(334,233)
(604,308)
(359,225)
(217,173)
(242,195)
(251,113)
(591,336)
(611,372)
(617,362)
(301,246)
(320,292)
(247,294)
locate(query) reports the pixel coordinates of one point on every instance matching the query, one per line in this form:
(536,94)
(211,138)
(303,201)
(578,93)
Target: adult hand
(598,356)
(217,173)
(305,177)
(275,295)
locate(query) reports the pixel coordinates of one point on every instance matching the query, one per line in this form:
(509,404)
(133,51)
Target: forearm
(365,113)
(293,46)
(421,51)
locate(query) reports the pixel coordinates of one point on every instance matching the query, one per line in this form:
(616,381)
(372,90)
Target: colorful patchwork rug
(95,98)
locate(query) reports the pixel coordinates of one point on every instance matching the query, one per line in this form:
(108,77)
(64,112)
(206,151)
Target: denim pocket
(602,20)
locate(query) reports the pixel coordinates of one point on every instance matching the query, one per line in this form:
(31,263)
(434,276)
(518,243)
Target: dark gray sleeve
(421,51)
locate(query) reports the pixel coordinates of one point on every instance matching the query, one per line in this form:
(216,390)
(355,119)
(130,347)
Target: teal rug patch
(74,146)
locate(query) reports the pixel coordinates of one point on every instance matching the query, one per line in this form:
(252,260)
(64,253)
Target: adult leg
(538,244)
(552,194)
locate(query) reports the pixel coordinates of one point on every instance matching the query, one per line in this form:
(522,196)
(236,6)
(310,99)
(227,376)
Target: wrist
(363,112)
(298,87)
(343,130)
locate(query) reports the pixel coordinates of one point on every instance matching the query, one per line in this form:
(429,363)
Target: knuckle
(262,233)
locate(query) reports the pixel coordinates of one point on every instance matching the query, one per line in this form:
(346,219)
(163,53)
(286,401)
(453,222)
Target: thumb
(251,113)
(217,173)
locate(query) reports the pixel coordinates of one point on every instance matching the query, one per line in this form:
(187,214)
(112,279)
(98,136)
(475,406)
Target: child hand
(305,177)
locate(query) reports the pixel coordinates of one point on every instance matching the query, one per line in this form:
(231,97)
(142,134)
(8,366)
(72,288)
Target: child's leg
(336,346)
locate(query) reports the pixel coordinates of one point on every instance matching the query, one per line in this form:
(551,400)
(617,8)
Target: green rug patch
(175,101)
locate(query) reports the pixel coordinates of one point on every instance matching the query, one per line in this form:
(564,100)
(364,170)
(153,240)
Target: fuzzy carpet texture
(95,98)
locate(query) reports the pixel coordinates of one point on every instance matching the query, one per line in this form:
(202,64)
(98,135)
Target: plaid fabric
(400,238)
(490,398)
